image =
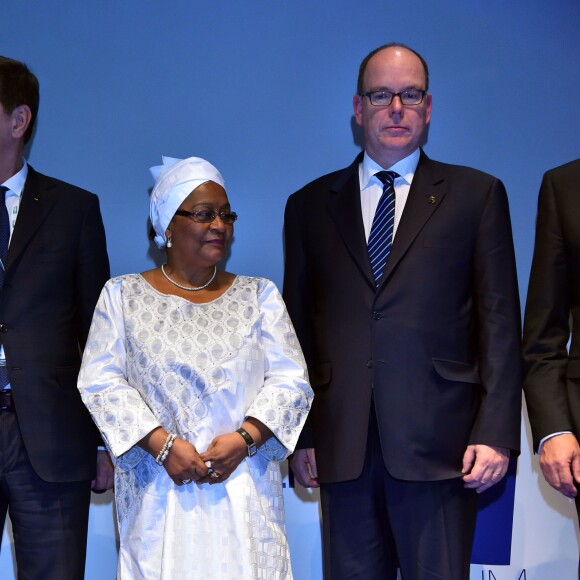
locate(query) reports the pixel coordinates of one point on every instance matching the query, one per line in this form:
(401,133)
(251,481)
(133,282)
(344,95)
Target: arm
(296,296)
(117,408)
(547,323)
(92,267)
(496,430)
(546,334)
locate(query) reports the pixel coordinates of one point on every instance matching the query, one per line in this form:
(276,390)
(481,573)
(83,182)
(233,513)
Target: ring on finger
(186,481)
(210,469)
(215,475)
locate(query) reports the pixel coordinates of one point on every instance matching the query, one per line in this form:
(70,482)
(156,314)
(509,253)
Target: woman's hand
(225,453)
(183,463)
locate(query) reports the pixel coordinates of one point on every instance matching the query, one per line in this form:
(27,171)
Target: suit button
(370,363)
(377,315)
(3,328)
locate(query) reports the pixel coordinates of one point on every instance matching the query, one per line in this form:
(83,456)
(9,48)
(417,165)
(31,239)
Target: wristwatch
(250,443)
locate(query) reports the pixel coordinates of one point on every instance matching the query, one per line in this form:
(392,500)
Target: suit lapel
(34,207)
(425,196)
(344,207)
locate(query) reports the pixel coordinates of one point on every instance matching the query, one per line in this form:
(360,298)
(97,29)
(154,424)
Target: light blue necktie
(381,236)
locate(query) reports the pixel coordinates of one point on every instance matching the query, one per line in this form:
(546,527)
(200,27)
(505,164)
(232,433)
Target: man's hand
(303,464)
(560,463)
(484,466)
(104,479)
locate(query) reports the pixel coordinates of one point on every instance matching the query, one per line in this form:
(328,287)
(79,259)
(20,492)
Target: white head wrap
(174,181)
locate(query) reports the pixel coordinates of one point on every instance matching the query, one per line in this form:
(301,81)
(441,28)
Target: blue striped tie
(4,239)
(381,236)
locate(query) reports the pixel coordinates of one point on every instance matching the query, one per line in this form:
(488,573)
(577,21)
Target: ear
(357,105)
(429,102)
(20,118)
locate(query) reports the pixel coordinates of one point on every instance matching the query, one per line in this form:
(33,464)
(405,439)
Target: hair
(363,65)
(18,86)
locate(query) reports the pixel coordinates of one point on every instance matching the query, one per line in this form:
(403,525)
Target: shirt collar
(15,184)
(406,168)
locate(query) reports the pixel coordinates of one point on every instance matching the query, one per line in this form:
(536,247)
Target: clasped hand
(224,454)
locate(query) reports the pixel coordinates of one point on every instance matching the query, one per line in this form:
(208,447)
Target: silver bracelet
(162,456)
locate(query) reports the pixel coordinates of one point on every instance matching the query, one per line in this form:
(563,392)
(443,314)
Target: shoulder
(56,188)
(455,172)
(258,286)
(567,175)
(328,182)
(119,284)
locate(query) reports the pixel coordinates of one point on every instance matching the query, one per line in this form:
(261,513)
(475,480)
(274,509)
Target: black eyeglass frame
(370,95)
(228,217)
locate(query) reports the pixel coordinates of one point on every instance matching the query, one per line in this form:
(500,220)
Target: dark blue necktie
(381,236)
(4,239)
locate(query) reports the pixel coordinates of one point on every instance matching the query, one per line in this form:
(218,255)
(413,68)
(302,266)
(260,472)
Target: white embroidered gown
(197,370)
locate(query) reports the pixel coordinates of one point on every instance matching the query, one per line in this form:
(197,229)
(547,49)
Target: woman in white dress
(197,383)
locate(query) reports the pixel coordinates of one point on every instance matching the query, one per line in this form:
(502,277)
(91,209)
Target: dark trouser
(376,523)
(49,520)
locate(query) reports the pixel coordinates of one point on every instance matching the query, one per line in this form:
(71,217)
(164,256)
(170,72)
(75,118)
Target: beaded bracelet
(162,456)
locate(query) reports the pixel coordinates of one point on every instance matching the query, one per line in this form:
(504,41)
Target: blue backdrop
(263,90)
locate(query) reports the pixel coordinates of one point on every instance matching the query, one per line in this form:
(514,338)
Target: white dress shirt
(15,185)
(371,188)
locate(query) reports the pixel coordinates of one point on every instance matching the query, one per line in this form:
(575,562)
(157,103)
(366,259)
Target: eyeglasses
(385,98)
(206,216)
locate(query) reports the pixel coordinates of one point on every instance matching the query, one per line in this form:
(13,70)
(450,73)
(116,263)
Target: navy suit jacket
(438,343)
(57,264)
(552,380)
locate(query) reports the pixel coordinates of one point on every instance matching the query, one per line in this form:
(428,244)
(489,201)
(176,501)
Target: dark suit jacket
(57,264)
(439,342)
(552,380)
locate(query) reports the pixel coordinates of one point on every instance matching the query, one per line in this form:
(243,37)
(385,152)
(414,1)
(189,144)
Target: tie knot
(387,177)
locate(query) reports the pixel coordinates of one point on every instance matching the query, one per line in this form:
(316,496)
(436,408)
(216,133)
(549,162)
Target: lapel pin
(431,199)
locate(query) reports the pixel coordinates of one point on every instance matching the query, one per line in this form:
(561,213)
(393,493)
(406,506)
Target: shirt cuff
(549,437)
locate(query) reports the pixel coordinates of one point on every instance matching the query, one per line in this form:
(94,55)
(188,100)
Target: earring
(169,243)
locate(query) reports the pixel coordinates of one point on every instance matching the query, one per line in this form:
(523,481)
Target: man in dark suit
(54,263)
(552,372)
(416,363)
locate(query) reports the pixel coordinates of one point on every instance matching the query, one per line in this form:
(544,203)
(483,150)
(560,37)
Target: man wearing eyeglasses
(402,288)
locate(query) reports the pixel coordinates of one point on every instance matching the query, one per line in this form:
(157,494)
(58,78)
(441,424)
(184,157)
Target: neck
(10,164)
(189,276)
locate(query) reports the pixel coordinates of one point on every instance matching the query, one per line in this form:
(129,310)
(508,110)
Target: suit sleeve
(547,323)
(92,266)
(295,292)
(498,322)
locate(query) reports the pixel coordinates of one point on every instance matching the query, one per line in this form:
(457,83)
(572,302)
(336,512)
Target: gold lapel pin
(431,199)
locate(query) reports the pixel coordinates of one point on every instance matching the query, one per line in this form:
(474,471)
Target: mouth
(216,242)
(396,129)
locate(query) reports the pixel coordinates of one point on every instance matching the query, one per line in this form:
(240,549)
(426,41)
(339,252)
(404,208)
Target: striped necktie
(381,236)
(4,239)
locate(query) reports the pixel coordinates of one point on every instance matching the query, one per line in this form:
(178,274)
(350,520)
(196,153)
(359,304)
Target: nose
(397,106)
(218,224)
